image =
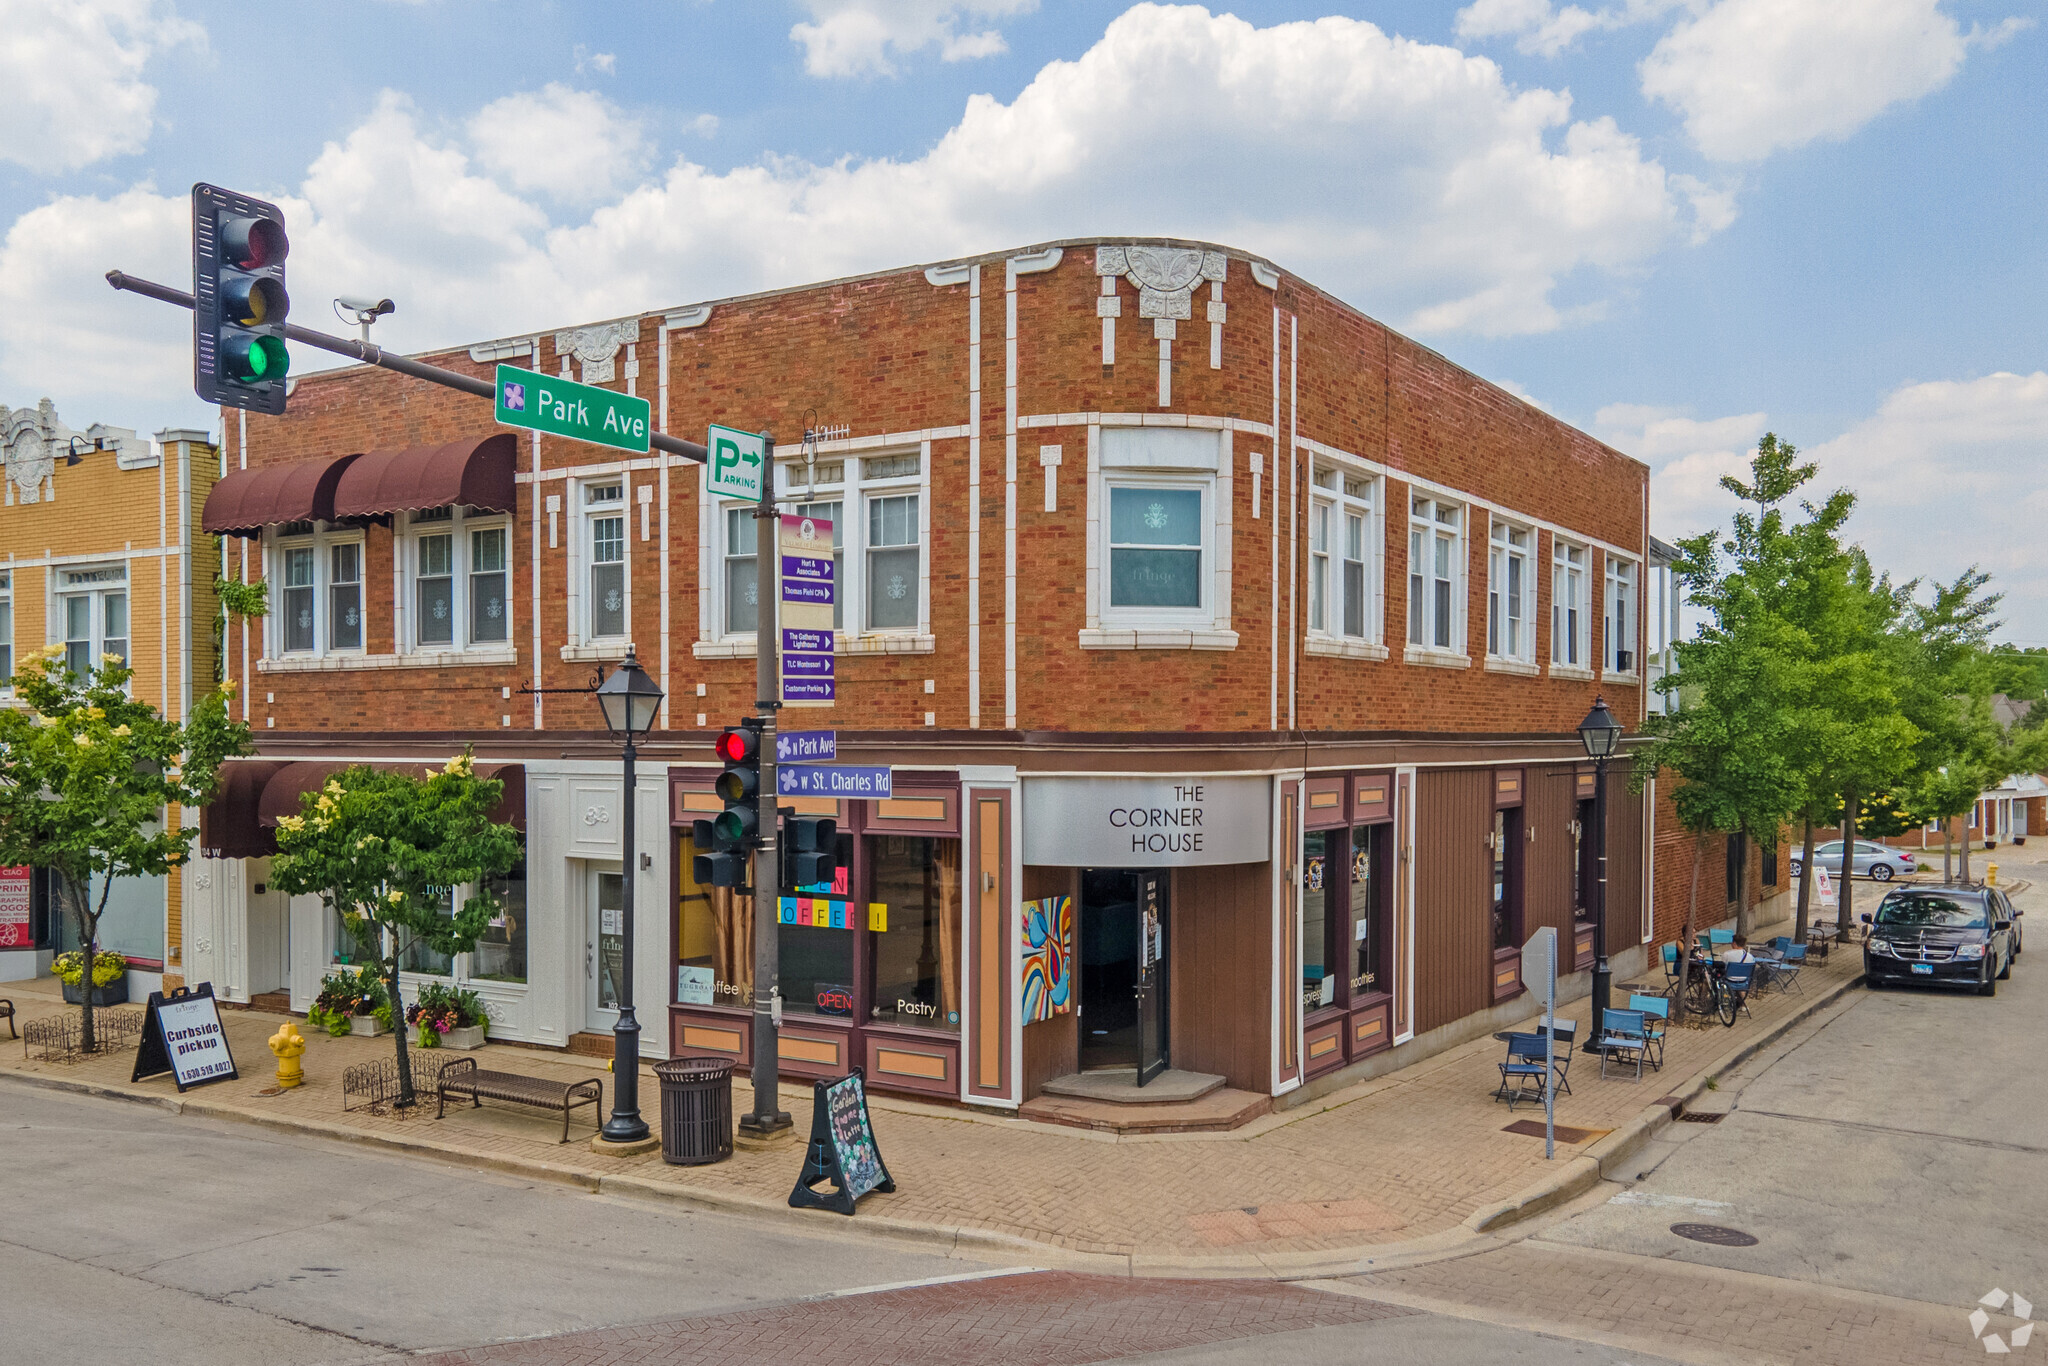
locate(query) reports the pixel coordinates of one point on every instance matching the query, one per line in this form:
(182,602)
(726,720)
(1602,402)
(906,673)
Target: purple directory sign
(857,781)
(804,551)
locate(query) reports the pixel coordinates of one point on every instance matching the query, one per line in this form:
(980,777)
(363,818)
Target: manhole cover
(1715,1234)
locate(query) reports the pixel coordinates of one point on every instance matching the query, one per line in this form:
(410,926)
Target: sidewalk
(1394,1169)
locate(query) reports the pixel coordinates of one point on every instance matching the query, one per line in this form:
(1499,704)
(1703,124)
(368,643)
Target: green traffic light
(248,359)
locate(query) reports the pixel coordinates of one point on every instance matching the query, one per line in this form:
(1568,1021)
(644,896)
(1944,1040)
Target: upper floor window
(1341,545)
(461,590)
(1435,565)
(742,584)
(6,628)
(1155,546)
(1618,623)
(318,575)
(1568,605)
(92,605)
(892,567)
(1510,593)
(296,592)
(345,596)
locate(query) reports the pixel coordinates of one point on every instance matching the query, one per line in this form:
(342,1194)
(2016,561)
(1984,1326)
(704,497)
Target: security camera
(367,308)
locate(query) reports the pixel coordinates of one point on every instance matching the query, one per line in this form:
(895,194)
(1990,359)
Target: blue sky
(1674,223)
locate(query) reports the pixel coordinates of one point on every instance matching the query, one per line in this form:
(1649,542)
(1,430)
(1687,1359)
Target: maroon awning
(478,473)
(229,828)
(246,501)
(282,791)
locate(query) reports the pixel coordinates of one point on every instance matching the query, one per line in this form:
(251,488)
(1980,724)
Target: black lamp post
(630,701)
(1601,735)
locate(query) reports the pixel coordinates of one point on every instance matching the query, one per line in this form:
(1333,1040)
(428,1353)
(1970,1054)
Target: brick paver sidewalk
(1402,1157)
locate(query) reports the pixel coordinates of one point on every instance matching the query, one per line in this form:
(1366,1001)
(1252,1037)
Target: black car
(1959,935)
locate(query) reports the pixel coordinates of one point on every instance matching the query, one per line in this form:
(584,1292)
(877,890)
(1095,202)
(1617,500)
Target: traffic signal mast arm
(373,355)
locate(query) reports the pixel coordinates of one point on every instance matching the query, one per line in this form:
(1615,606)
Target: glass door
(605,951)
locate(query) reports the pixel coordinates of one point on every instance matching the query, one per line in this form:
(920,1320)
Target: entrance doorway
(1123,969)
(605,951)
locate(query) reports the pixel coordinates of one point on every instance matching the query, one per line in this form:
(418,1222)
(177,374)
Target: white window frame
(1428,529)
(1341,495)
(458,525)
(1570,648)
(6,632)
(586,541)
(95,583)
(1501,547)
(1204,612)
(1621,580)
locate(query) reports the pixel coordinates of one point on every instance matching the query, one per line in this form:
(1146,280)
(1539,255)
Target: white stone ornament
(1166,279)
(594,347)
(28,442)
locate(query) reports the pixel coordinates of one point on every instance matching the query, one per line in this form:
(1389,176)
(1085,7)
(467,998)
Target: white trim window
(1158,550)
(345,595)
(1568,606)
(1618,622)
(893,560)
(1436,564)
(741,544)
(1341,544)
(1511,593)
(92,611)
(604,542)
(317,583)
(459,589)
(6,628)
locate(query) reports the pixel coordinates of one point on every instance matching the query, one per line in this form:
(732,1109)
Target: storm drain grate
(1690,1118)
(1716,1234)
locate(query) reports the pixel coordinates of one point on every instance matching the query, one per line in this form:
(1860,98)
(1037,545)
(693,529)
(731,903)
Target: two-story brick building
(1169,585)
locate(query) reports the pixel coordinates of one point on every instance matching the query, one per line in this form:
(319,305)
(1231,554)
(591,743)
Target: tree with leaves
(87,775)
(384,850)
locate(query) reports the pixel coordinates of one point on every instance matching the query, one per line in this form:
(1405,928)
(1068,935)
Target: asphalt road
(132,1234)
(1896,1145)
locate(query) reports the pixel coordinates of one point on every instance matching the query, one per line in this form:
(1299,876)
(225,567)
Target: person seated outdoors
(1738,952)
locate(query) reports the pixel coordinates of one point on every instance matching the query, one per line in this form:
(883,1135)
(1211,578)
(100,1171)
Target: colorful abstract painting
(1047,945)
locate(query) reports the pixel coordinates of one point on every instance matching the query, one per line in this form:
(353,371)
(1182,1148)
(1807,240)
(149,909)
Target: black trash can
(696,1110)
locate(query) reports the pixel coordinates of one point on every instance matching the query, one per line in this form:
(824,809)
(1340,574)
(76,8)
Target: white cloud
(858,37)
(1545,30)
(71,78)
(1687,458)
(1753,76)
(572,144)
(588,61)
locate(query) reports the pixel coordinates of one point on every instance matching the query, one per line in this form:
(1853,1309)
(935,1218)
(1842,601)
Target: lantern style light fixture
(1600,733)
(629,699)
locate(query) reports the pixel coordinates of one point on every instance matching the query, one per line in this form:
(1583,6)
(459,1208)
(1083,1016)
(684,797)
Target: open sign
(835,1000)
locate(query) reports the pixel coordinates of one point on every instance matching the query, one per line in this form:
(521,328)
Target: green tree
(87,774)
(385,849)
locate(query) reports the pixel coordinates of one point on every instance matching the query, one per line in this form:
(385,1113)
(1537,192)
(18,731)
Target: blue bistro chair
(1623,1038)
(1720,939)
(1656,1017)
(1739,979)
(1522,1075)
(1788,971)
(1671,968)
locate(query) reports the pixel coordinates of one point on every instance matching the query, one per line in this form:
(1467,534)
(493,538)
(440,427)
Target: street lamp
(630,701)
(1600,733)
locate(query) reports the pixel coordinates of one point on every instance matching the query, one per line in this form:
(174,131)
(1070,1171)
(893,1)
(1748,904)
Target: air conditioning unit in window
(1624,661)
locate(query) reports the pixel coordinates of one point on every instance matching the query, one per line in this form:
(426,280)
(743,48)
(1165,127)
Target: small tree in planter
(86,775)
(382,848)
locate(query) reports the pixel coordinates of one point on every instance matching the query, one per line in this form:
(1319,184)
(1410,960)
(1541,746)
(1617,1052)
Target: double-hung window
(832,509)
(1568,606)
(317,580)
(1618,623)
(892,567)
(490,616)
(742,585)
(1510,593)
(1155,547)
(434,585)
(92,606)
(1340,554)
(6,628)
(297,567)
(345,596)
(605,512)
(460,595)
(1435,562)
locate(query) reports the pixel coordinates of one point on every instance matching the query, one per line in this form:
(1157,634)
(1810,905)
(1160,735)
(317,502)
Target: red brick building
(1130,534)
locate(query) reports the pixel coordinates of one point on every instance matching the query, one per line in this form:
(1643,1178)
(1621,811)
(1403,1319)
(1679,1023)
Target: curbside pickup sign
(581,412)
(733,462)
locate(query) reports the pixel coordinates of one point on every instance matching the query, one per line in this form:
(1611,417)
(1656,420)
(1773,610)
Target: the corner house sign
(1146,822)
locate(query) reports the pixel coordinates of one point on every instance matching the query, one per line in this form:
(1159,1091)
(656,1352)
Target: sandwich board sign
(842,1149)
(181,1035)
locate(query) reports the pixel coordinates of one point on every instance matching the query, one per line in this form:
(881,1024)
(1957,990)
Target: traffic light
(726,841)
(239,302)
(810,851)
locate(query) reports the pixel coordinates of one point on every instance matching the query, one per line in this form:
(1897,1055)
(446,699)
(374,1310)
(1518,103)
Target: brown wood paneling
(1052,1048)
(1325,804)
(992,973)
(1221,946)
(1624,862)
(1323,1049)
(1547,814)
(1453,917)
(1371,1029)
(1372,798)
(1507,787)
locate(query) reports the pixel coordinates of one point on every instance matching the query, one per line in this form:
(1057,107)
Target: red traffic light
(737,746)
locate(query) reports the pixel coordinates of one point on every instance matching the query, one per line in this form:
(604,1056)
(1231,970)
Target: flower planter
(114,993)
(369,1026)
(469,1036)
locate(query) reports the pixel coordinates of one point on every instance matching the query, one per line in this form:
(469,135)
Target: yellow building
(101,552)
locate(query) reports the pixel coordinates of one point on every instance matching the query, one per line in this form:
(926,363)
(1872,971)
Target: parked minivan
(1958,935)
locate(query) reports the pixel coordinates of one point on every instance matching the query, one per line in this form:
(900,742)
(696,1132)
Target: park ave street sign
(581,412)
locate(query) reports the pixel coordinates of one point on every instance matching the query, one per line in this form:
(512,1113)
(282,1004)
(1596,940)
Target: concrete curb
(1606,1157)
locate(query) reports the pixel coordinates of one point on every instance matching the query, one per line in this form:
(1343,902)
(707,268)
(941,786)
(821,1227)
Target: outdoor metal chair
(1623,1036)
(1656,1018)
(1720,939)
(1787,975)
(1522,1075)
(1566,1032)
(1739,978)
(1672,971)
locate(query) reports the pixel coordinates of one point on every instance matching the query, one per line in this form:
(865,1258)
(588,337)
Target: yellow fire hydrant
(1991,874)
(287,1044)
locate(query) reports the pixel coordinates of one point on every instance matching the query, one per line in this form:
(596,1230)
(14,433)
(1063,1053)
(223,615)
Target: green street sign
(735,462)
(581,412)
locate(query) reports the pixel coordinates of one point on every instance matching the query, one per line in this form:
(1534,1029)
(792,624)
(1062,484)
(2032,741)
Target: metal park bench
(462,1077)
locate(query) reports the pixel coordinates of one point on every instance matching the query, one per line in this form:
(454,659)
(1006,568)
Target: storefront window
(1318,983)
(500,954)
(1582,874)
(1365,970)
(355,945)
(917,957)
(419,958)
(1507,868)
(714,938)
(817,961)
